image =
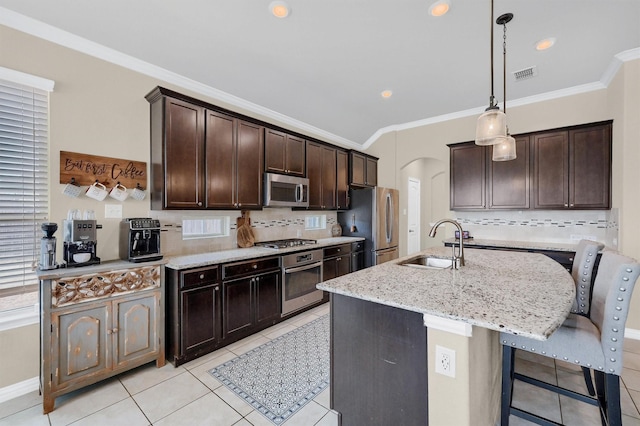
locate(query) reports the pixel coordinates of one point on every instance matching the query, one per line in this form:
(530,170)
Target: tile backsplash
(543,226)
(268,224)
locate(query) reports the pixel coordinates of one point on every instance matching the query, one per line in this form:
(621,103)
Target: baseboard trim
(631,333)
(19,389)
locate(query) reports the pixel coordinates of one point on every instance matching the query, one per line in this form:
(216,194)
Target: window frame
(30,314)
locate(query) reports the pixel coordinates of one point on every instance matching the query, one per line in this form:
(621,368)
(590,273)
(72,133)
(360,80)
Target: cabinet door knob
(200,203)
(201,276)
(254,266)
(115,330)
(566,205)
(109,332)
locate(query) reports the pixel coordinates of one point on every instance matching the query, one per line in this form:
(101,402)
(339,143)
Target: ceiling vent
(526,73)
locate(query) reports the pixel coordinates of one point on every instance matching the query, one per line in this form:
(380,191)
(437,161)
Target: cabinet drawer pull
(201,276)
(254,266)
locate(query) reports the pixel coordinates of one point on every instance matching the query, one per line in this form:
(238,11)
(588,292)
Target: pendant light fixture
(505,149)
(491,127)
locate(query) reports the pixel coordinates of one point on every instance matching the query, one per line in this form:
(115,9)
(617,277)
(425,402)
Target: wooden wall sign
(85,169)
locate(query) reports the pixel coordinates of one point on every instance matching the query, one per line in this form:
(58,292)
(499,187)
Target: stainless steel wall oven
(300,274)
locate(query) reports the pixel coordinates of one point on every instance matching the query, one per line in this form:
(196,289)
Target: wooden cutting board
(245,236)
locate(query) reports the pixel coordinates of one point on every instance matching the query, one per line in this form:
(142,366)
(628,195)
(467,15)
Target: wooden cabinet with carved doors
(98,324)
(284,153)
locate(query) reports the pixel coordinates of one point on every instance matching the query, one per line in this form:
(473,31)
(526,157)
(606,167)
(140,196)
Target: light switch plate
(112,211)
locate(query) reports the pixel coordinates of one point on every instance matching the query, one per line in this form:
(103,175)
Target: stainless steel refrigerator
(374,216)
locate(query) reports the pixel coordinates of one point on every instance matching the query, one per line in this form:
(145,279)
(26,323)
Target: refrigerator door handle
(389,217)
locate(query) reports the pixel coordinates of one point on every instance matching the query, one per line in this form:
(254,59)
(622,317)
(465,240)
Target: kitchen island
(387,321)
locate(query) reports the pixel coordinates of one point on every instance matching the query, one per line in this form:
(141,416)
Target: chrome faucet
(459,259)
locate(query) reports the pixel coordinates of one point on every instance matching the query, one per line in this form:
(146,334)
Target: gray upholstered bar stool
(585,262)
(595,343)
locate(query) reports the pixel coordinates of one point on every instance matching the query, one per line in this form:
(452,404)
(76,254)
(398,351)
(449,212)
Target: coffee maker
(48,247)
(140,239)
(80,242)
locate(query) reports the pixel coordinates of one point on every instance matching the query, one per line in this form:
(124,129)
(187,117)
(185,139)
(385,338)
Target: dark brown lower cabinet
(193,319)
(336,261)
(249,303)
(378,364)
(251,297)
(201,317)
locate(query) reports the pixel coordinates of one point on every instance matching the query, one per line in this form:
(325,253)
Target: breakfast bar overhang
(386,322)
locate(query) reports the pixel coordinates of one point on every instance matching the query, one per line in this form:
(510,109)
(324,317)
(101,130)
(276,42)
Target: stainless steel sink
(429,262)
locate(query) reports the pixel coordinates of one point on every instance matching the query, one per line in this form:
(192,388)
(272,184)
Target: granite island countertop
(511,244)
(527,294)
(239,254)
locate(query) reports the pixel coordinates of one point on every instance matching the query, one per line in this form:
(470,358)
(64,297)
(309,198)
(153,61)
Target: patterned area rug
(281,376)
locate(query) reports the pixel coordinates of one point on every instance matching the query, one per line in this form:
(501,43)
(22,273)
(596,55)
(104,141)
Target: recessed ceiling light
(386,94)
(439,8)
(279,9)
(545,43)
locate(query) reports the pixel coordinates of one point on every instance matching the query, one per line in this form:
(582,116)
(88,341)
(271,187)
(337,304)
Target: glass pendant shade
(505,149)
(491,126)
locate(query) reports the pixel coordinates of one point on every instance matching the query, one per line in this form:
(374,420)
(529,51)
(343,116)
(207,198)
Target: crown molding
(605,80)
(55,35)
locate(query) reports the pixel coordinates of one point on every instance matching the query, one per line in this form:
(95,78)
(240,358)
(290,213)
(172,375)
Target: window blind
(23,189)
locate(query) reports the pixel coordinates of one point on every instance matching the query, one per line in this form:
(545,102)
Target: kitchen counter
(521,293)
(509,244)
(224,256)
(389,322)
(109,265)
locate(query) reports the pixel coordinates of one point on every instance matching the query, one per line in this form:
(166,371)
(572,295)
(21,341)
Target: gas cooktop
(292,242)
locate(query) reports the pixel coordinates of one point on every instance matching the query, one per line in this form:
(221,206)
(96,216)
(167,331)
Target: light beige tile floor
(189,395)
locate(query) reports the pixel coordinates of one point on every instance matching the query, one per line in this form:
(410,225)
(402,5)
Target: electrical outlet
(445,361)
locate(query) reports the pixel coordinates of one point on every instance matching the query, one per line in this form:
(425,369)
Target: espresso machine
(48,247)
(140,239)
(80,242)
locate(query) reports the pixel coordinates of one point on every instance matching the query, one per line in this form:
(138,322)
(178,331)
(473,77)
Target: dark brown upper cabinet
(468,177)
(321,172)
(572,168)
(177,154)
(284,153)
(567,168)
(342,179)
(202,158)
(363,170)
(508,181)
(234,162)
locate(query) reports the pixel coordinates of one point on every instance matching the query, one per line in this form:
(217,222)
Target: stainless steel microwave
(285,191)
